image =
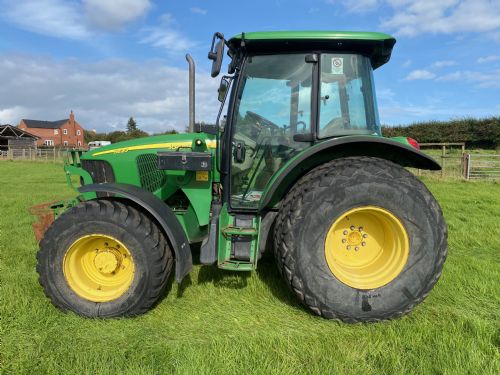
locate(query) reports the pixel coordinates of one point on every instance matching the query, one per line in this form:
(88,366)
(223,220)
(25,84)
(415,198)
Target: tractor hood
(173,142)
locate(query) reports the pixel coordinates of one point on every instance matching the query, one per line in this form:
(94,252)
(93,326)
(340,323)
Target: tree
(131,126)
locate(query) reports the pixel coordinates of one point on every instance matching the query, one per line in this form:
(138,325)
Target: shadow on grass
(269,274)
(223,279)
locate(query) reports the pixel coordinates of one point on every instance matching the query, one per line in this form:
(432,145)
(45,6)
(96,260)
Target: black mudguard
(380,147)
(163,215)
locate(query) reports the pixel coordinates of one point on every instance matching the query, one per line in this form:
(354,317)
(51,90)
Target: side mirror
(222,90)
(216,53)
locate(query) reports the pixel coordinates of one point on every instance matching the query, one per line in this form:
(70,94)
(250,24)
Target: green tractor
(298,166)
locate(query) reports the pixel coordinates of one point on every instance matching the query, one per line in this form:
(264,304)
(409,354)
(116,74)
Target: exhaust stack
(191,93)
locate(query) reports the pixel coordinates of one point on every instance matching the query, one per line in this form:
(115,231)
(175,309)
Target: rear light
(413,143)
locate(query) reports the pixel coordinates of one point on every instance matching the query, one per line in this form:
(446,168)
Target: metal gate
(481,166)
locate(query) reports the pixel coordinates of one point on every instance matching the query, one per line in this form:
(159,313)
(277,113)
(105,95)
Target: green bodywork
(192,207)
(190,194)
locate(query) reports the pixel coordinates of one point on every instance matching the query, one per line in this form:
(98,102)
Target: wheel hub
(354,238)
(107,261)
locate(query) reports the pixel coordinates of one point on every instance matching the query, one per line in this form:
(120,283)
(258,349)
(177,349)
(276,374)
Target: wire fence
(38,154)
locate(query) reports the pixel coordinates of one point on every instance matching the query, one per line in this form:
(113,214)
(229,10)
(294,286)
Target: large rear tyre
(104,259)
(360,239)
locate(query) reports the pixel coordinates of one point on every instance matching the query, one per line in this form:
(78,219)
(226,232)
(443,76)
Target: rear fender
(323,152)
(162,214)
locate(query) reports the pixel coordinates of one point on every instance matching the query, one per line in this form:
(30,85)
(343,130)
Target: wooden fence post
(443,161)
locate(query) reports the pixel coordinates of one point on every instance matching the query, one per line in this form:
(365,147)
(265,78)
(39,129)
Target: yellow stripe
(167,145)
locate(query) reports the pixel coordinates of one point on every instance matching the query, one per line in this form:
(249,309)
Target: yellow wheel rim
(98,268)
(367,247)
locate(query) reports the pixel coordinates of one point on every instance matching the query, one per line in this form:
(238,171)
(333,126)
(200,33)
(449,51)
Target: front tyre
(104,259)
(360,239)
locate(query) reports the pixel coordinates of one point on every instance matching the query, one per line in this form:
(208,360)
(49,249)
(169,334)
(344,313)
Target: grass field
(225,323)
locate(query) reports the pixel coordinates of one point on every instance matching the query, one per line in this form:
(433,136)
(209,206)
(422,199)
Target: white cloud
(166,36)
(57,18)
(488,59)
(450,76)
(491,79)
(198,10)
(444,16)
(360,6)
(420,74)
(113,14)
(72,19)
(443,63)
(104,94)
(407,63)
(11,115)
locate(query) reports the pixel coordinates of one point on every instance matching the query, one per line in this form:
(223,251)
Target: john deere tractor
(297,166)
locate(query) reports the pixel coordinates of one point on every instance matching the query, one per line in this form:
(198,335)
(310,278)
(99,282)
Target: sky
(108,60)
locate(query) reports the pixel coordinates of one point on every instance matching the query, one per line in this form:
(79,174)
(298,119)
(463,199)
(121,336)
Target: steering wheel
(262,121)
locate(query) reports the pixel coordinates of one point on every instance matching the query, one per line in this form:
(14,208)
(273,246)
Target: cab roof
(377,46)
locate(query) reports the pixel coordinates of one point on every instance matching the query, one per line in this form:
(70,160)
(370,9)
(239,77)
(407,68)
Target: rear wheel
(104,258)
(360,239)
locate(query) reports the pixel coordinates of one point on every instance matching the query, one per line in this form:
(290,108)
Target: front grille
(150,176)
(100,170)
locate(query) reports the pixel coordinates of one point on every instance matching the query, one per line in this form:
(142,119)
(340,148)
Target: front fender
(163,215)
(325,151)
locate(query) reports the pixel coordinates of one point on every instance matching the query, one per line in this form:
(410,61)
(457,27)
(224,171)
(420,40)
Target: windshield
(347,101)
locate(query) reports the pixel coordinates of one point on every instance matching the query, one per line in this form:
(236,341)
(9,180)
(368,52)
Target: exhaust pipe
(191,93)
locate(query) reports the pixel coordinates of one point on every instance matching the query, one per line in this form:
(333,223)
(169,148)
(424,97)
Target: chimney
(71,117)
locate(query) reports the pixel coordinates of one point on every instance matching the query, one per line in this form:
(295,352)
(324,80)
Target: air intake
(151,178)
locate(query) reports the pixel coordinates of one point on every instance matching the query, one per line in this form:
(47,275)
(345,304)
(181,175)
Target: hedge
(476,133)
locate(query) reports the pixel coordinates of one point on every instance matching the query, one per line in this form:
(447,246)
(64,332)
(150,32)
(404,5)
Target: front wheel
(104,259)
(360,239)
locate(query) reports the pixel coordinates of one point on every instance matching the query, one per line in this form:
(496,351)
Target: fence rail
(40,154)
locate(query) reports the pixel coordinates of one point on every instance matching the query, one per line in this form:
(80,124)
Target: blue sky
(110,59)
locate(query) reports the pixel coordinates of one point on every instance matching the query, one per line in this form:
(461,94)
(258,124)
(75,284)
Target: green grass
(225,323)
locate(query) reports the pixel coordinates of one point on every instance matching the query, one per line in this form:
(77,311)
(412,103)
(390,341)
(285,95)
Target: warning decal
(337,65)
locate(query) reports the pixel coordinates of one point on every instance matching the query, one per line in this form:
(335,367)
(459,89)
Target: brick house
(61,133)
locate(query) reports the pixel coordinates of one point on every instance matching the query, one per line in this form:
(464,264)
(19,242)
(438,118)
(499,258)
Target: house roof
(45,124)
(9,131)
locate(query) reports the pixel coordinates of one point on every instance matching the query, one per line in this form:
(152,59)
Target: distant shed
(11,137)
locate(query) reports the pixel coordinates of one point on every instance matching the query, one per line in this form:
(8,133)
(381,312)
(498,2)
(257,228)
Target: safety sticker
(337,65)
(201,175)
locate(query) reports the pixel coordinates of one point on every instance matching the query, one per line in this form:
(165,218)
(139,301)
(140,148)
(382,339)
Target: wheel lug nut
(365,236)
(360,229)
(345,232)
(344,240)
(348,247)
(356,248)
(352,227)
(363,243)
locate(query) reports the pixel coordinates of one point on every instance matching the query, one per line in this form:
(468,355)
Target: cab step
(238,241)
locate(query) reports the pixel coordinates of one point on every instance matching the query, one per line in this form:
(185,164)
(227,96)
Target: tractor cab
(291,90)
